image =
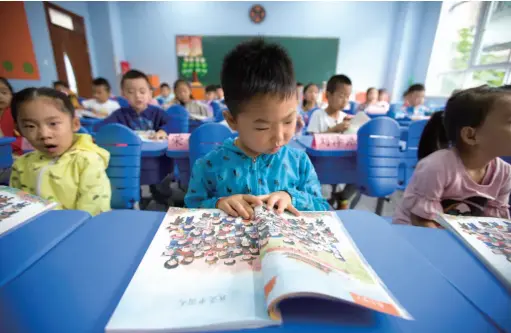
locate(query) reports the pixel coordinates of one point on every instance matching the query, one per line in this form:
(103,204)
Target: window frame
(476,51)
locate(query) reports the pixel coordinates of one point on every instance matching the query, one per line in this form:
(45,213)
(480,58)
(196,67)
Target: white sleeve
(315,122)
(113,106)
(88,103)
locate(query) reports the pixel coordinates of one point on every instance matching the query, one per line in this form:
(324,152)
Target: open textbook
(205,270)
(17,206)
(488,238)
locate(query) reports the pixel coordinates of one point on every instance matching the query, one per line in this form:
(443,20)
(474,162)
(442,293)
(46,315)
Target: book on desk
(17,207)
(488,238)
(205,270)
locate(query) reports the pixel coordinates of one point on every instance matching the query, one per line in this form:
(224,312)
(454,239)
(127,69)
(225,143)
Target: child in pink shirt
(459,170)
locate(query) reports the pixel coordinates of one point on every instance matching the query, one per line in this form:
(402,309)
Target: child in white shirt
(101,104)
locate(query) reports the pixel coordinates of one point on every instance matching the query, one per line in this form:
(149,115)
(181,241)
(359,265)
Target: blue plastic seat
(179,119)
(206,138)
(6,153)
(352,109)
(83,130)
(378,159)
(123,102)
(123,170)
(218,111)
(410,159)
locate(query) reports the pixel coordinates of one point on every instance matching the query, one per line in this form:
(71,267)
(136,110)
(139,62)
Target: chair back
(218,109)
(206,138)
(179,119)
(6,153)
(352,108)
(125,148)
(83,130)
(410,159)
(378,157)
(123,102)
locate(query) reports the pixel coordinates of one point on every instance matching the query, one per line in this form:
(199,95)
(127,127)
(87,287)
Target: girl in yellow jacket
(65,167)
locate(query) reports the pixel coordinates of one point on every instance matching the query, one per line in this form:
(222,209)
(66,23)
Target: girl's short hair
(29,94)
(467,108)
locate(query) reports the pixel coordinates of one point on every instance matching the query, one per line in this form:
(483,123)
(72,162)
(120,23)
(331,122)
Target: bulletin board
(314,59)
(17,57)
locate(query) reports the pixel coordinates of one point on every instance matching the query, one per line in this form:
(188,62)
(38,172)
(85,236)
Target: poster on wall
(189,46)
(17,61)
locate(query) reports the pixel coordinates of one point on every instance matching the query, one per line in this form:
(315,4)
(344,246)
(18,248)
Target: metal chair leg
(379,206)
(355,200)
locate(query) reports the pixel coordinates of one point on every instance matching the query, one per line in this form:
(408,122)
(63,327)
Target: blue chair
(378,158)
(125,149)
(352,108)
(5,155)
(179,119)
(82,130)
(81,100)
(123,102)
(218,110)
(410,159)
(206,138)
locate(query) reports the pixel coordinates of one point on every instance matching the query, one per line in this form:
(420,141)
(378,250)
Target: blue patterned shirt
(151,119)
(227,170)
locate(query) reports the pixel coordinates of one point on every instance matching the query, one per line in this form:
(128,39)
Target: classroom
(163,160)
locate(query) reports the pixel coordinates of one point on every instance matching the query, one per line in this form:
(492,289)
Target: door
(67,34)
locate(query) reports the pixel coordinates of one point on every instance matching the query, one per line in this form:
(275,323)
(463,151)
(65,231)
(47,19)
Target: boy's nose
(44,133)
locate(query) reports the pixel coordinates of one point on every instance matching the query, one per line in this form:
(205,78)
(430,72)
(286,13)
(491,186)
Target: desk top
(154,149)
(5,140)
(98,260)
(21,248)
(463,270)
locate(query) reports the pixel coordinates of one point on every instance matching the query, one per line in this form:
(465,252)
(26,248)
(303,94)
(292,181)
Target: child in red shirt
(6,122)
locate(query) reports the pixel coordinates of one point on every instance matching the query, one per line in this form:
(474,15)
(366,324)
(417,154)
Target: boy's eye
(54,123)
(288,122)
(28,126)
(261,129)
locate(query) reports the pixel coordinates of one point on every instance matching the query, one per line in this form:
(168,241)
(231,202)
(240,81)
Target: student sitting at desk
(65,167)
(139,116)
(459,170)
(414,103)
(309,103)
(166,97)
(257,166)
(184,97)
(332,119)
(101,104)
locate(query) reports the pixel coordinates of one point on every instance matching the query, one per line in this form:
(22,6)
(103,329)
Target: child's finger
(253,200)
(264,197)
(227,209)
(281,205)
(248,208)
(238,207)
(293,210)
(272,200)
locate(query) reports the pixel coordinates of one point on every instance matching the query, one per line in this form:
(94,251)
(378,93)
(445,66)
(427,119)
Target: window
(472,47)
(61,19)
(71,78)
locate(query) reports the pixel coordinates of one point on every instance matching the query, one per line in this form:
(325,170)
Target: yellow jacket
(75,180)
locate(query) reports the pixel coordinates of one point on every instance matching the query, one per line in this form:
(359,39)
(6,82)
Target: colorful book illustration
(179,141)
(16,207)
(205,270)
(488,238)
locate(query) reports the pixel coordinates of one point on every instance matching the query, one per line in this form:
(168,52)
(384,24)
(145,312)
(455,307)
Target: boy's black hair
(307,86)
(467,108)
(211,88)
(179,81)
(164,85)
(4,81)
(415,87)
(382,91)
(335,81)
(298,84)
(255,68)
(29,94)
(369,90)
(218,86)
(134,74)
(60,83)
(100,81)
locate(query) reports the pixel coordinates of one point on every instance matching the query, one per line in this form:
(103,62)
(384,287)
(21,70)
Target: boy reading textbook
(488,237)
(206,270)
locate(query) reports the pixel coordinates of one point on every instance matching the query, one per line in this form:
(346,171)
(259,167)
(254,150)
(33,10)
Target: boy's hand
(340,128)
(299,124)
(239,205)
(160,135)
(282,200)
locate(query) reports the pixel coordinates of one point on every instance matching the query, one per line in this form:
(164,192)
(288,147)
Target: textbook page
(314,255)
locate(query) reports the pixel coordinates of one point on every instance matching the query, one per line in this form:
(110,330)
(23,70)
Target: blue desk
(155,165)
(332,166)
(22,247)
(97,262)
(463,270)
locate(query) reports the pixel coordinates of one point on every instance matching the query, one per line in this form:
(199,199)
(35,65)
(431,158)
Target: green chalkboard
(314,59)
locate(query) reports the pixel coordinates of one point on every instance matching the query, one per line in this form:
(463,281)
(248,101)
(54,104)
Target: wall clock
(257,14)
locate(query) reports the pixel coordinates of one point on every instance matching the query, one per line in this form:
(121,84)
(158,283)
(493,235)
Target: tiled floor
(365,203)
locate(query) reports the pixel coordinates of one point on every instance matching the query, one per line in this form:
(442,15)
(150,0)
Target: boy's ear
(230,120)
(76,124)
(469,135)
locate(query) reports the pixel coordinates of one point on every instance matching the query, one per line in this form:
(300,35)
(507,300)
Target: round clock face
(257,13)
